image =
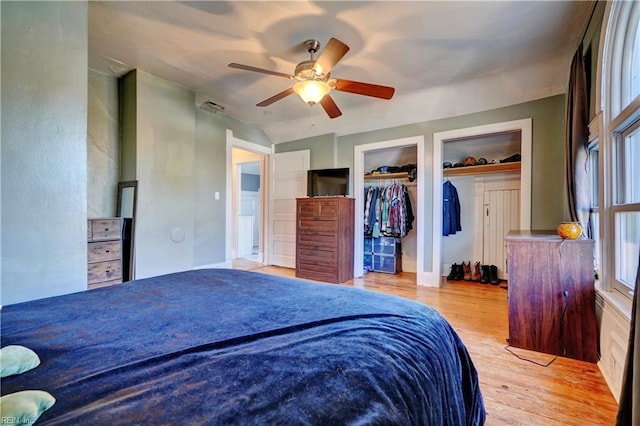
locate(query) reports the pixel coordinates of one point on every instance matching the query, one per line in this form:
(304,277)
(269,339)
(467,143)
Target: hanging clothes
(387,211)
(450,209)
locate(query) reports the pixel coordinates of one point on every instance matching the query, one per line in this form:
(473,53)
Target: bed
(218,346)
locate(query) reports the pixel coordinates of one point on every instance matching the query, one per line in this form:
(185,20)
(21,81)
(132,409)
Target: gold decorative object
(570,230)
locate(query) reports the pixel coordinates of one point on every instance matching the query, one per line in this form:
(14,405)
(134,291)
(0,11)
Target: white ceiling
(443,58)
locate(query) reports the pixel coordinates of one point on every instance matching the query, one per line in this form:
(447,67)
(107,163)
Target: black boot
(454,271)
(459,273)
(493,277)
(484,274)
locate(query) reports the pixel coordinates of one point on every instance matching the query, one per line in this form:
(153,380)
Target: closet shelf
(399,175)
(482,169)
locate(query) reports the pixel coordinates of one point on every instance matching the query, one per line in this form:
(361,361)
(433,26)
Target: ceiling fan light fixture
(313,81)
(311,91)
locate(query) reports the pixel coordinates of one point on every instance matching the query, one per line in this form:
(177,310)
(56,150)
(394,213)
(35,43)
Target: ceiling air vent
(211,107)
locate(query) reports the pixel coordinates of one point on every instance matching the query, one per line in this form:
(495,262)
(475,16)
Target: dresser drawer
(309,239)
(104,271)
(104,284)
(311,226)
(326,209)
(320,257)
(104,250)
(104,229)
(315,272)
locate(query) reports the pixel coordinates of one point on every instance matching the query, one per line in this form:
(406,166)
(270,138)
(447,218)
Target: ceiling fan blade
(332,53)
(260,70)
(330,107)
(367,89)
(275,98)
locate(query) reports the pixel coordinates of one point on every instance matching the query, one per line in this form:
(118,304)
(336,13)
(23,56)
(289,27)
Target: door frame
(234,142)
(439,138)
(358,185)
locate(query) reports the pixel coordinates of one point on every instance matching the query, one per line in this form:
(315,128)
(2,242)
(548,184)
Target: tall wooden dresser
(324,238)
(104,251)
(551,294)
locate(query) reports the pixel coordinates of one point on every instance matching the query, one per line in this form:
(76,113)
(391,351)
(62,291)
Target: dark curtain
(629,406)
(577,141)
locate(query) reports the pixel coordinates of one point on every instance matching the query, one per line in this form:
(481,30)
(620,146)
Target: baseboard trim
(608,381)
(221,265)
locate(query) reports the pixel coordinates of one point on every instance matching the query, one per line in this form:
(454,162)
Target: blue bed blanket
(236,347)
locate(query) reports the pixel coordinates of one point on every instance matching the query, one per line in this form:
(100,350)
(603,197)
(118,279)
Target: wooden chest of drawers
(551,294)
(104,252)
(324,238)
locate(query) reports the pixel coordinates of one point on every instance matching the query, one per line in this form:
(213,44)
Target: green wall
(44,149)
(324,150)
(103,145)
(164,168)
(211,174)
(205,172)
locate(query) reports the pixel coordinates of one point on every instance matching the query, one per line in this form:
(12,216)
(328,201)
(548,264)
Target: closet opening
(389,220)
(387,182)
(488,170)
(485,175)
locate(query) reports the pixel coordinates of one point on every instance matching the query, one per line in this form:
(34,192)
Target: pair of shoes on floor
(489,274)
(465,271)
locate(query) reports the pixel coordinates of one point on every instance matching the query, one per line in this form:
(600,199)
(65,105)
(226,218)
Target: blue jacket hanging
(450,209)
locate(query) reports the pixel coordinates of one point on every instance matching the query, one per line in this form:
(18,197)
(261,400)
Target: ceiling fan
(314,81)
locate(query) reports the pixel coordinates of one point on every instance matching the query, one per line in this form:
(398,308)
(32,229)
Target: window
(626,206)
(621,206)
(627,155)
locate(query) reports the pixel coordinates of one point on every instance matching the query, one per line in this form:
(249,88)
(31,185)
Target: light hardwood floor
(516,392)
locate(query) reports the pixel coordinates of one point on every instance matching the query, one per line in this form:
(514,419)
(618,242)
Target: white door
(245,237)
(288,182)
(500,214)
(248,224)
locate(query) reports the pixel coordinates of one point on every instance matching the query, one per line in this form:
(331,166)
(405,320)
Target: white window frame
(619,183)
(619,113)
(595,204)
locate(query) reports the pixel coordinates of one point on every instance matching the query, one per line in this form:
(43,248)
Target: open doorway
(247,198)
(248,205)
(248,209)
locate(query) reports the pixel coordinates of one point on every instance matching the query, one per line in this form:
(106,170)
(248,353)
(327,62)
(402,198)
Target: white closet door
(501,205)
(289,181)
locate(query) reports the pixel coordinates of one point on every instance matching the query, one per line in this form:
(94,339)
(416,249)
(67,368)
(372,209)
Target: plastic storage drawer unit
(387,264)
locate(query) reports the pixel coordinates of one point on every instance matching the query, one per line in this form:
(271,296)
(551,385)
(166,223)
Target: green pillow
(16,359)
(24,407)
